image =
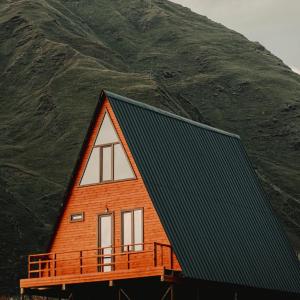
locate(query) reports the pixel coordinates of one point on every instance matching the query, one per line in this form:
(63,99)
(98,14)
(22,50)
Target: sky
(273,23)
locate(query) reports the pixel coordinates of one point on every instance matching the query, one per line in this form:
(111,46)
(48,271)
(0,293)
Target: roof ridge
(168,114)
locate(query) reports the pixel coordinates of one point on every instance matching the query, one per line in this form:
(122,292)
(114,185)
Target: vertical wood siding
(94,199)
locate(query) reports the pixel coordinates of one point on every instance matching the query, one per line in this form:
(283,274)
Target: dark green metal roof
(208,198)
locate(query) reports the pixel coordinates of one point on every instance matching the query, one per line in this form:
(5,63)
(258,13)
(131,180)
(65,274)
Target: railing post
(100,260)
(171,258)
(80,258)
(40,268)
(128,258)
(29,266)
(48,267)
(155,254)
(112,260)
(54,263)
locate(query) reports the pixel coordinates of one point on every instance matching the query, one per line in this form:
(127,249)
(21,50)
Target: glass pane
(127,230)
(107,163)
(106,232)
(122,167)
(107,133)
(138,230)
(92,171)
(106,241)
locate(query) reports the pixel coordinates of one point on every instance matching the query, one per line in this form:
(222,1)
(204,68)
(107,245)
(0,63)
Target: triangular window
(108,160)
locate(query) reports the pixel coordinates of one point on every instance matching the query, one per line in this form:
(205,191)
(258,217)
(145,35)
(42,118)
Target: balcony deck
(99,264)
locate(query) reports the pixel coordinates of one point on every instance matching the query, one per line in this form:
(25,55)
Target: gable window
(133,230)
(106,163)
(108,160)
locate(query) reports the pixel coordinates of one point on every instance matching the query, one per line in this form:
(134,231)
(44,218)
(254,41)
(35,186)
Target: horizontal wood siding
(94,200)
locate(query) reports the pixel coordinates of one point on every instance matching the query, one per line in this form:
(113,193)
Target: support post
(122,292)
(22,293)
(167,292)
(172,292)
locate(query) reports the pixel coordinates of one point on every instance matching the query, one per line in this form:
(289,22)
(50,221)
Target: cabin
(162,207)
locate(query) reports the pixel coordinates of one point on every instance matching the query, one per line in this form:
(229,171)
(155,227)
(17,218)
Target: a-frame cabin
(162,207)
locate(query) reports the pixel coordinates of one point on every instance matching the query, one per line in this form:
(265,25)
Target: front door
(106,238)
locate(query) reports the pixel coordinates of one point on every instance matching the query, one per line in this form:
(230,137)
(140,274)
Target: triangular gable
(107,133)
(82,164)
(108,160)
(123,193)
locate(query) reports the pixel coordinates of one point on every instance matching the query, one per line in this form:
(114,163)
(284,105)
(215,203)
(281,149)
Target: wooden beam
(122,292)
(171,279)
(172,292)
(93,277)
(166,293)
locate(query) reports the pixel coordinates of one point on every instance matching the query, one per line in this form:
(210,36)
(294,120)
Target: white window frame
(133,247)
(112,145)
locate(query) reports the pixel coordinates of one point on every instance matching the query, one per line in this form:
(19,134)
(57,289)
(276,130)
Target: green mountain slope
(57,55)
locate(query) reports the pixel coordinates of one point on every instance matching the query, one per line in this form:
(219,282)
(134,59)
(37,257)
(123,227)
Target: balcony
(100,264)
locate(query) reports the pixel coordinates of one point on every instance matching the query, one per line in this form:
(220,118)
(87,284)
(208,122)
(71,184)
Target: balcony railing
(108,259)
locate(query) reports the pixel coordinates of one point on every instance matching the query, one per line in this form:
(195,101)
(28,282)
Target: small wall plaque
(77,217)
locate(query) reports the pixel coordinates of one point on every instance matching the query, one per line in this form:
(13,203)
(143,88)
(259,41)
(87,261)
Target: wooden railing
(108,259)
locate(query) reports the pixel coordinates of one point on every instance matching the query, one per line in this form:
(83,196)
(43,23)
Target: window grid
(102,162)
(138,247)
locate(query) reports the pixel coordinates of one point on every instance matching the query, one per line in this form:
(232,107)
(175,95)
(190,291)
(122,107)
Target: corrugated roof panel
(209,200)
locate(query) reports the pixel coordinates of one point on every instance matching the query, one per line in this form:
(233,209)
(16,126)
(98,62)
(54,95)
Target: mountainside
(57,55)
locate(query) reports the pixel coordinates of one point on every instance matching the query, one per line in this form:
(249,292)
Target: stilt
(22,294)
(170,292)
(197,293)
(235,295)
(122,292)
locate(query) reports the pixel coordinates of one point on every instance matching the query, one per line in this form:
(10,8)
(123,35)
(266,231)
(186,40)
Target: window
(77,217)
(108,160)
(132,230)
(106,163)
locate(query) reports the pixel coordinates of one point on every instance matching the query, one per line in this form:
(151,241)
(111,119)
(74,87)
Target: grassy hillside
(56,56)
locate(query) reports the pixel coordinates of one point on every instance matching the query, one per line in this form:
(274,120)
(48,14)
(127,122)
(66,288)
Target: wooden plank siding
(94,200)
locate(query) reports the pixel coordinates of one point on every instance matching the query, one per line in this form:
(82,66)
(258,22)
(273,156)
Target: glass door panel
(106,242)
